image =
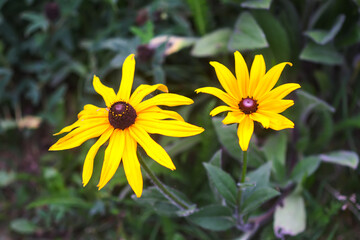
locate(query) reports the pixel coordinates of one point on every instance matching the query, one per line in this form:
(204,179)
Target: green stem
(169,195)
(243,176)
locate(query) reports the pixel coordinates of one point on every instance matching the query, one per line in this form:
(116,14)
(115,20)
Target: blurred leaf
(322,36)
(345,158)
(159,75)
(114,44)
(324,54)
(37,22)
(200,12)
(216,159)
(275,152)
(2,2)
(257,4)
(5,75)
(145,33)
(228,137)
(284,221)
(305,168)
(351,37)
(258,197)
(23,226)
(276,36)
(60,201)
(213,217)
(247,34)
(223,182)
(311,101)
(6,178)
(212,44)
(182,145)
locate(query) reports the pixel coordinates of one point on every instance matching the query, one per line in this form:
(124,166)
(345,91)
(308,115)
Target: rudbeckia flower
(127,121)
(251,98)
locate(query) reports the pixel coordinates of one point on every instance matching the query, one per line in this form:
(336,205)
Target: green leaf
(223,182)
(182,145)
(290,217)
(261,175)
(227,135)
(37,22)
(145,33)
(324,54)
(200,11)
(60,201)
(216,159)
(247,34)
(275,151)
(305,168)
(258,197)
(23,226)
(275,33)
(312,101)
(212,44)
(322,36)
(6,178)
(257,4)
(345,158)
(161,205)
(213,217)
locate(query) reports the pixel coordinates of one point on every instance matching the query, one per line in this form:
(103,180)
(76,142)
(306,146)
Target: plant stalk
(243,176)
(169,195)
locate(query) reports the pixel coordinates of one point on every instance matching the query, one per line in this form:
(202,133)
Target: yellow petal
(172,128)
(226,79)
(152,148)
(78,136)
(244,132)
(226,98)
(234,117)
(132,165)
(269,80)
(257,71)
(89,160)
(277,121)
(265,121)
(113,154)
(107,93)
(281,91)
(275,106)
(157,113)
(143,90)
(165,99)
(242,74)
(92,111)
(127,79)
(220,109)
(84,122)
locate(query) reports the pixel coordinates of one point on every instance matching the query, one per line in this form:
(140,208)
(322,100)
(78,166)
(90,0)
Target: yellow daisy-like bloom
(251,98)
(127,120)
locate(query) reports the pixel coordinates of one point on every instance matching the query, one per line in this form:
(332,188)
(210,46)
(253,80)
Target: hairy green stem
(169,195)
(243,176)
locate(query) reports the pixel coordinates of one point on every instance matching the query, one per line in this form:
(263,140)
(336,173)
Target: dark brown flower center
(248,105)
(122,115)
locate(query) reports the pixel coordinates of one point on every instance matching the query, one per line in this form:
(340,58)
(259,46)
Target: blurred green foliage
(49,52)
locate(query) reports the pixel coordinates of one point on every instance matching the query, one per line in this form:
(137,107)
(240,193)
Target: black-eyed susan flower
(127,121)
(251,98)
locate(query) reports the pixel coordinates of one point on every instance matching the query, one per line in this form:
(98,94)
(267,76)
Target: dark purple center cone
(122,115)
(248,105)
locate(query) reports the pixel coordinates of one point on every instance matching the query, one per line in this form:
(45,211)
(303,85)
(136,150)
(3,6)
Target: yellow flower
(251,98)
(127,120)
